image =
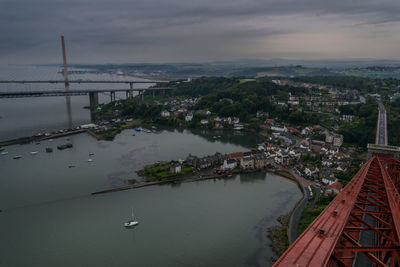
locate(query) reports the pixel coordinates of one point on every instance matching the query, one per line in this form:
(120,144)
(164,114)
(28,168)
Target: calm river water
(49,218)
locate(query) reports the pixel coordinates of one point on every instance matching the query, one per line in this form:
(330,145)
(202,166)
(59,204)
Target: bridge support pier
(112,94)
(93,100)
(129,94)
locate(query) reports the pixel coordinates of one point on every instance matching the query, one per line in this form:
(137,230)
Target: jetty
(38,138)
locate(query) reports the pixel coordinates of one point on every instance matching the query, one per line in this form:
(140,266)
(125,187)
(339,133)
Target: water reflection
(253,177)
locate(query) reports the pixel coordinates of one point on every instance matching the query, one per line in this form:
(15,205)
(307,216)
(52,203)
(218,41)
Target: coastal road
(295,217)
(381,127)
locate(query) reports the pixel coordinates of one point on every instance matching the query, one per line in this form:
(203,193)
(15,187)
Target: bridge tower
(64,62)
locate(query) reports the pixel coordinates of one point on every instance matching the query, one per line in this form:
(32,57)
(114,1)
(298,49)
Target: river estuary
(49,218)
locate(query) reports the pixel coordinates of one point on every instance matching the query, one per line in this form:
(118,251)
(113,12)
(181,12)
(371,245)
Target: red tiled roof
(292,129)
(235,155)
(336,185)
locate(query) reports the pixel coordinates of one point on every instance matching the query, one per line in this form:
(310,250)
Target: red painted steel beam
(333,238)
(316,244)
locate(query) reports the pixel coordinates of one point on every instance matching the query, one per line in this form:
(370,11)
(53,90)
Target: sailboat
(132,222)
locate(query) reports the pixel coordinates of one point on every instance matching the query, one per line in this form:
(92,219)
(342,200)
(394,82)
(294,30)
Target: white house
(189,117)
(165,113)
(229,164)
(204,121)
(279,129)
(328,180)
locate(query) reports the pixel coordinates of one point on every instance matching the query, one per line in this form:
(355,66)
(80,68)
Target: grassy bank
(278,235)
(162,171)
(312,211)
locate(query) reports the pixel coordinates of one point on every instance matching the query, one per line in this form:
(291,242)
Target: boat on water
(17,157)
(34,152)
(132,222)
(50,140)
(2,148)
(49,149)
(91,153)
(90,160)
(138,129)
(71,166)
(67,145)
(4,152)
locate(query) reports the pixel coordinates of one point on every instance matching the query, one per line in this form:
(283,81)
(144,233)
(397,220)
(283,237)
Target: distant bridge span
(62,92)
(77,81)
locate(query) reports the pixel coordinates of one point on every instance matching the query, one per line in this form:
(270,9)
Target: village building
(247,162)
(236,156)
(260,160)
(189,117)
(175,168)
(165,113)
(334,188)
(328,180)
(229,164)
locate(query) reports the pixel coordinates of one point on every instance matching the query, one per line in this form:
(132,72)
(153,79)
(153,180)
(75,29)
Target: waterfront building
(229,164)
(247,162)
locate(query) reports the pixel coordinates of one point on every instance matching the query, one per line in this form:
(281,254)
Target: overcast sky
(131,31)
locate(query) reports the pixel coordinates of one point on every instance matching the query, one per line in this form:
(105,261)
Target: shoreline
(280,242)
(34,138)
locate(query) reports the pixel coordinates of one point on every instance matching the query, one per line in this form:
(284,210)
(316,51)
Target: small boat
(50,140)
(138,129)
(4,152)
(89,160)
(91,153)
(34,152)
(131,223)
(49,149)
(38,143)
(71,166)
(17,157)
(2,148)
(133,134)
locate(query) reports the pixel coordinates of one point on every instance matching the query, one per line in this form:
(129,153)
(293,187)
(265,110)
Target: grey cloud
(29,28)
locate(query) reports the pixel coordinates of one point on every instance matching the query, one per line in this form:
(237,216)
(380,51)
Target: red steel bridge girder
(369,203)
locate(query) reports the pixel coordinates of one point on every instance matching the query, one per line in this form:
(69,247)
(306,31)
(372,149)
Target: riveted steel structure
(362,224)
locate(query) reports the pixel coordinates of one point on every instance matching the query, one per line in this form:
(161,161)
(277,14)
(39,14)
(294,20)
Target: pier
(38,138)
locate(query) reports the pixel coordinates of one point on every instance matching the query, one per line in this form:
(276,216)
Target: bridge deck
(36,93)
(77,81)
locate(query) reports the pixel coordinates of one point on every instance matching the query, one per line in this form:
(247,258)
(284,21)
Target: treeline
(201,86)
(393,118)
(362,131)
(365,85)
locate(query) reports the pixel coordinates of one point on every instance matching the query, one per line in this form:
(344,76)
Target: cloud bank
(129,31)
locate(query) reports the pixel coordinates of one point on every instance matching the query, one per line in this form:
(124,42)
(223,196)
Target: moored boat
(132,222)
(17,157)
